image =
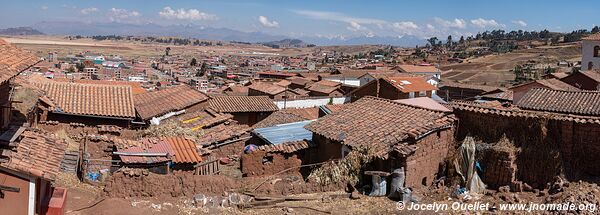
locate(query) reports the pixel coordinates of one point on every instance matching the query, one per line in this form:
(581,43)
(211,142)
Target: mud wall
(423,166)
(546,147)
(260,163)
(146,184)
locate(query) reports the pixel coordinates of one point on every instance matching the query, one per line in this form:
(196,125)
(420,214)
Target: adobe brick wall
(546,147)
(252,163)
(500,168)
(423,166)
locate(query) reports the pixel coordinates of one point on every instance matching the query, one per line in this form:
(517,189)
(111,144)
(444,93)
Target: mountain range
(208,33)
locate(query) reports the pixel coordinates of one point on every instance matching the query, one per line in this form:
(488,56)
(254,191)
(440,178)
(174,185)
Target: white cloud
(486,23)
(340,17)
(119,14)
(405,25)
(354,26)
(520,23)
(430,27)
(456,23)
(44,7)
(264,21)
(183,14)
(86,11)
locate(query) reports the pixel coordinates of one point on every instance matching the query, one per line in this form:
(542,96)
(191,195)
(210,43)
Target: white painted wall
(347,81)
(587,52)
(311,102)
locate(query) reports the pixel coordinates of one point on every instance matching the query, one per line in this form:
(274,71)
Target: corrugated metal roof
(284,132)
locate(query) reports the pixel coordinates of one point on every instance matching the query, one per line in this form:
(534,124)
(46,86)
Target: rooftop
(237,104)
(379,123)
(14,60)
(572,102)
(37,153)
(88,99)
(185,150)
(163,101)
(282,133)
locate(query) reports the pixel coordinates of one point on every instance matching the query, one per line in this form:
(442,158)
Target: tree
(449,41)
(432,41)
(193,62)
(461,40)
(167,50)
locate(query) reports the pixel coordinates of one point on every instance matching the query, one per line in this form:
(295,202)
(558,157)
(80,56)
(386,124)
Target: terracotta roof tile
(14,60)
(516,112)
(222,132)
(288,116)
(582,102)
(163,101)
(37,153)
(185,150)
(89,99)
(379,123)
(237,104)
(136,87)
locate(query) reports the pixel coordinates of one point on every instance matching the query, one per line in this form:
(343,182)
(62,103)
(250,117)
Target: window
(596,51)
(411,95)
(422,93)
(590,65)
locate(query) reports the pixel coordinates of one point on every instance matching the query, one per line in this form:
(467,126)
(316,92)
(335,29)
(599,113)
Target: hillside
(20,31)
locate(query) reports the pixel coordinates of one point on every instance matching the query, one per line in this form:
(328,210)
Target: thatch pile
(346,170)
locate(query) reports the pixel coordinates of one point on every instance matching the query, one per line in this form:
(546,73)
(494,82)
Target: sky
(321,18)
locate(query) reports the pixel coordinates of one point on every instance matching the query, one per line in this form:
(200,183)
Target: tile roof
(185,150)
(502,95)
(288,147)
(410,84)
(582,102)
(163,101)
(14,60)
(88,99)
(37,153)
(515,112)
(417,68)
(267,88)
(379,123)
(329,83)
(282,133)
(147,145)
(222,132)
(238,104)
(203,119)
(299,81)
(279,117)
(136,87)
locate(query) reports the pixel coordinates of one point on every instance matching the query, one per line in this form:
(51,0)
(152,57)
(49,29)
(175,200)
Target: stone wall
(260,163)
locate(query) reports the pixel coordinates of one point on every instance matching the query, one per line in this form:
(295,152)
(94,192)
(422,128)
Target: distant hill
(20,31)
(285,43)
(210,33)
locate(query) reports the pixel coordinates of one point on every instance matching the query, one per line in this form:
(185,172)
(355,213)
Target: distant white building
(590,51)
